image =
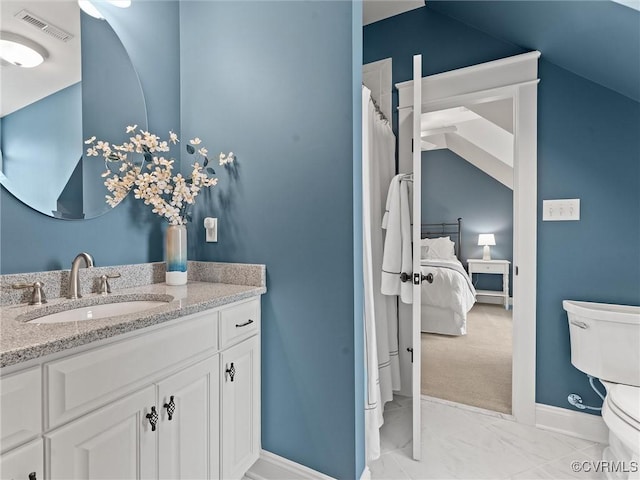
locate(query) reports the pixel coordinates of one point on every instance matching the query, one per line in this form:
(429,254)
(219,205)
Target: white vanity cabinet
(189,442)
(179,400)
(21,421)
(241,407)
(120,440)
(112,442)
(23,463)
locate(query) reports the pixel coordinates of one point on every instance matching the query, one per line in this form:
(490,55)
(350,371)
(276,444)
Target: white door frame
(416,310)
(517,78)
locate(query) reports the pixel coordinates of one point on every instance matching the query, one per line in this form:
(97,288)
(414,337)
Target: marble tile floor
(464,443)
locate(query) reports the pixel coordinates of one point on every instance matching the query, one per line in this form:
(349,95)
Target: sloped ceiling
(598,40)
(375,10)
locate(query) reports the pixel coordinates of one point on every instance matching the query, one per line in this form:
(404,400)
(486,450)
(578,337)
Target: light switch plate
(561,210)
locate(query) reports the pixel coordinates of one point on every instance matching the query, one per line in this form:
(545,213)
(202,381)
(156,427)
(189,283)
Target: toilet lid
(625,401)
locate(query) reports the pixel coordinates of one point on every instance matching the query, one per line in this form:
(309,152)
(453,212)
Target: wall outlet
(211,229)
(561,210)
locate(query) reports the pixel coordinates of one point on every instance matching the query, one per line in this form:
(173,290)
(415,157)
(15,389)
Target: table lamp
(486,239)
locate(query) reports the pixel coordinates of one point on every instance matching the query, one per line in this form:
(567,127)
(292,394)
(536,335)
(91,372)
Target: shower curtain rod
(378,111)
(377,108)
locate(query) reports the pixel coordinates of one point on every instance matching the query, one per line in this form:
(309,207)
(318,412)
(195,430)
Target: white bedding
(451,292)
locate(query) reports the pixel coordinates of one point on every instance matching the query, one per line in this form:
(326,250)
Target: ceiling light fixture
(89,8)
(120,3)
(21,51)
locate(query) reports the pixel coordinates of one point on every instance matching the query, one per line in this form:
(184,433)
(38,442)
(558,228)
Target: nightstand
(497,267)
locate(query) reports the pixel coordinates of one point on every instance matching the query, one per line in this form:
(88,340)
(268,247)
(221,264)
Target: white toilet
(605,343)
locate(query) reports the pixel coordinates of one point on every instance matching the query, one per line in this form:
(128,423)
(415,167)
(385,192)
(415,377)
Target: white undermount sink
(93,312)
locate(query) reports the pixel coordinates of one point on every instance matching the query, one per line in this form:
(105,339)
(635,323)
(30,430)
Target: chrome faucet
(74,278)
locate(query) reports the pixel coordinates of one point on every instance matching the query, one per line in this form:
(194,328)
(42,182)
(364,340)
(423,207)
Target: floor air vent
(43,26)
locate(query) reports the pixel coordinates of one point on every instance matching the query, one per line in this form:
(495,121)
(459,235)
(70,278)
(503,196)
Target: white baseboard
(274,467)
(493,300)
(573,423)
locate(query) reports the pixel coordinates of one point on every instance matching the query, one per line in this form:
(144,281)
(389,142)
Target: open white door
(417,274)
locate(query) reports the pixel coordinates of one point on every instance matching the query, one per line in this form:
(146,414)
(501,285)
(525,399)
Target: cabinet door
(240,413)
(20,407)
(115,442)
(189,441)
(18,464)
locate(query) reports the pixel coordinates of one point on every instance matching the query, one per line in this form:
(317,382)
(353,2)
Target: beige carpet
(474,369)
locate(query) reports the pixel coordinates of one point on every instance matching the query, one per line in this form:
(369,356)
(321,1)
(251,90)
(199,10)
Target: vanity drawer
(239,322)
(85,381)
(20,407)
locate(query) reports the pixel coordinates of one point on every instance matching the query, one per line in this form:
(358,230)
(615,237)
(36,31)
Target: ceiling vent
(43,26)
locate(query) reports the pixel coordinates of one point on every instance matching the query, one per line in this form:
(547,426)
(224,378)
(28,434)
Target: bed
(446,301)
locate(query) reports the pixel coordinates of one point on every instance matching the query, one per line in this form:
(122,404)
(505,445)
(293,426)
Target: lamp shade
(486,239)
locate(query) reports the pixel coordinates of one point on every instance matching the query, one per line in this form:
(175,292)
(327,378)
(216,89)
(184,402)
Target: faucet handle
(37,297)
(104,283)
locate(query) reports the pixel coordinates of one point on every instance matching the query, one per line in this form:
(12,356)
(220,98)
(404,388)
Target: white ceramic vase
(176,254)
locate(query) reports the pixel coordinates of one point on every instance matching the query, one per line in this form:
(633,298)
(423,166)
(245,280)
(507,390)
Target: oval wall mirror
(86,86)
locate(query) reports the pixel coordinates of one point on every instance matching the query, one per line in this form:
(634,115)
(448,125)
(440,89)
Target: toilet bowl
(621,414)
(605,343)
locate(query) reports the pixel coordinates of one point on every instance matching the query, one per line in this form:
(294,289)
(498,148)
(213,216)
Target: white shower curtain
(381,319)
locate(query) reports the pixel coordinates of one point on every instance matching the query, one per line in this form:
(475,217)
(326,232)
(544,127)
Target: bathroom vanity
(171,392)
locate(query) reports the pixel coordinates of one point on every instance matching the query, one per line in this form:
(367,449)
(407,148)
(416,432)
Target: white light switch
(561,210)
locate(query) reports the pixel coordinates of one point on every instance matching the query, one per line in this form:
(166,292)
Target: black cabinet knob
(231,371)
(171,407)
(153,418)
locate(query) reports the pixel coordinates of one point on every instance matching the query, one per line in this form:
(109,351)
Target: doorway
(515,78)
(467,173)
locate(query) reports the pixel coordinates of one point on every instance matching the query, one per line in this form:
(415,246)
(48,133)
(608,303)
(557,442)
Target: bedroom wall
(452,188)
(587,149)
(274,82)
(31,241)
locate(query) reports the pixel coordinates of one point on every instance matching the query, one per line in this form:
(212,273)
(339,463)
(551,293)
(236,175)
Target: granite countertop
(21,341)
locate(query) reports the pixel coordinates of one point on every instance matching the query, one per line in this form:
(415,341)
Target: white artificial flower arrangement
(170,195)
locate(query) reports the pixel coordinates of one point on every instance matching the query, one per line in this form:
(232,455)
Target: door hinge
(410,350)
(516,272)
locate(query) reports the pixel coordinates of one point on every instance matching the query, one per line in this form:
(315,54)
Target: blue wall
(360,376)
(452,188)
(587,149)
(274,82)
(277,83)
(30,241)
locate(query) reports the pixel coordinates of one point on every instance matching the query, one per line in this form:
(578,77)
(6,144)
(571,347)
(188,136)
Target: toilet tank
(605,340)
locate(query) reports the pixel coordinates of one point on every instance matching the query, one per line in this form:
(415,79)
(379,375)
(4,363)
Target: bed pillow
(441,248)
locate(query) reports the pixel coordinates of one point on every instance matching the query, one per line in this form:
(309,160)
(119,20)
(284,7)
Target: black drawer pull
(32,476)
(231,371)
(153,418)
(240,325)
(171,407)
